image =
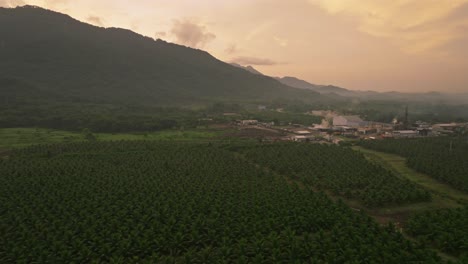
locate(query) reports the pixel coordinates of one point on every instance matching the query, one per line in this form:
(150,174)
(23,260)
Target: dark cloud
(95,20)
(190,33)
(11,3)
(253,61)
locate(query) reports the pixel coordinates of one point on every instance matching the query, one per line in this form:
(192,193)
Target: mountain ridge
(247,68)
(63,55)
(332,90)
(301,84)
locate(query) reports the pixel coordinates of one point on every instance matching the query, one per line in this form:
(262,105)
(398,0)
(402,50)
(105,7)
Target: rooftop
(300,137)
(406,131)
(352,118)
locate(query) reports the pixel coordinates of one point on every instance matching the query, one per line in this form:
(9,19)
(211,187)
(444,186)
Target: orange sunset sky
(382,45)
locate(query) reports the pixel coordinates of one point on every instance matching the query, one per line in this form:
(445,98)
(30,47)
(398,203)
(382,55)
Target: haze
(399,45)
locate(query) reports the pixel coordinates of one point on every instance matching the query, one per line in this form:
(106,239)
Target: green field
(443,195)
(398,164)
(390,197)
(341,171)
(442,158)
(422,221)
(22,137)
(445,229)
(176,202)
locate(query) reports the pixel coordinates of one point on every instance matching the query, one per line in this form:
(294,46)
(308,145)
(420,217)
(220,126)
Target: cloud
(280,41)
(95,20)
(414,25)
(243,60)
(135,25)
(160,34)
(11,3)
(52,3)
(191,33)
(231,49)
(259,29)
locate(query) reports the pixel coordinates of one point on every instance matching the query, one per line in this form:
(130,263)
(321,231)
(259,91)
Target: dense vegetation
(444,158)
(128,202)
(63,57)
(74,116)
(340,170)
(22,137)
(386,110)
(446,229)
(20,110)
(384,107)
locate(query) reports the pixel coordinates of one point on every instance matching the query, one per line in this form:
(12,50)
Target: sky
(380,45)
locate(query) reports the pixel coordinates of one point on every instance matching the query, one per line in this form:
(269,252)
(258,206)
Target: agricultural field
(446,229)
(340,170)
(181,202)
(22,137)
(443,158)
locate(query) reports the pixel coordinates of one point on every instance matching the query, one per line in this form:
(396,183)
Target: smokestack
(406,122)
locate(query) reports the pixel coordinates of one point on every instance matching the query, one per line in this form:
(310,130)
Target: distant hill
(323,89)
(56,54)
(429,97)
(301,84)
(298,83)
(247,68)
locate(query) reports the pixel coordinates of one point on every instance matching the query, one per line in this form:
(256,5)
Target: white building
(405,133)
(302,132)
(249,122)
(349,121)
(299,138)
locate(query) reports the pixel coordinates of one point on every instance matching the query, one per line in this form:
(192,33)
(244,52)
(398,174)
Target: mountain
(61,57)
(429,97)
(301,84)
(247,68)
(323,89)
(298,83)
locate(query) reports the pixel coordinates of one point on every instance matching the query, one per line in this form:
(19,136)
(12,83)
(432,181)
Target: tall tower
(406,121)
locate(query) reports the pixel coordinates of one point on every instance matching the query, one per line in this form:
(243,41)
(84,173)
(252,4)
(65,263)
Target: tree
(88,135)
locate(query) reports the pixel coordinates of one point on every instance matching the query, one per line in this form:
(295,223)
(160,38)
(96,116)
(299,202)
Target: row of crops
(337,169)
(446,229)
(150,202)
(443,158)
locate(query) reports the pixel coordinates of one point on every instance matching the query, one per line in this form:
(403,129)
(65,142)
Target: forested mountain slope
(63,56)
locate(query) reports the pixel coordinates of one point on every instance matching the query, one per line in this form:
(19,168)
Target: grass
(398,165)
(162,135)
(22,137)
(443,195)
(395,214)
